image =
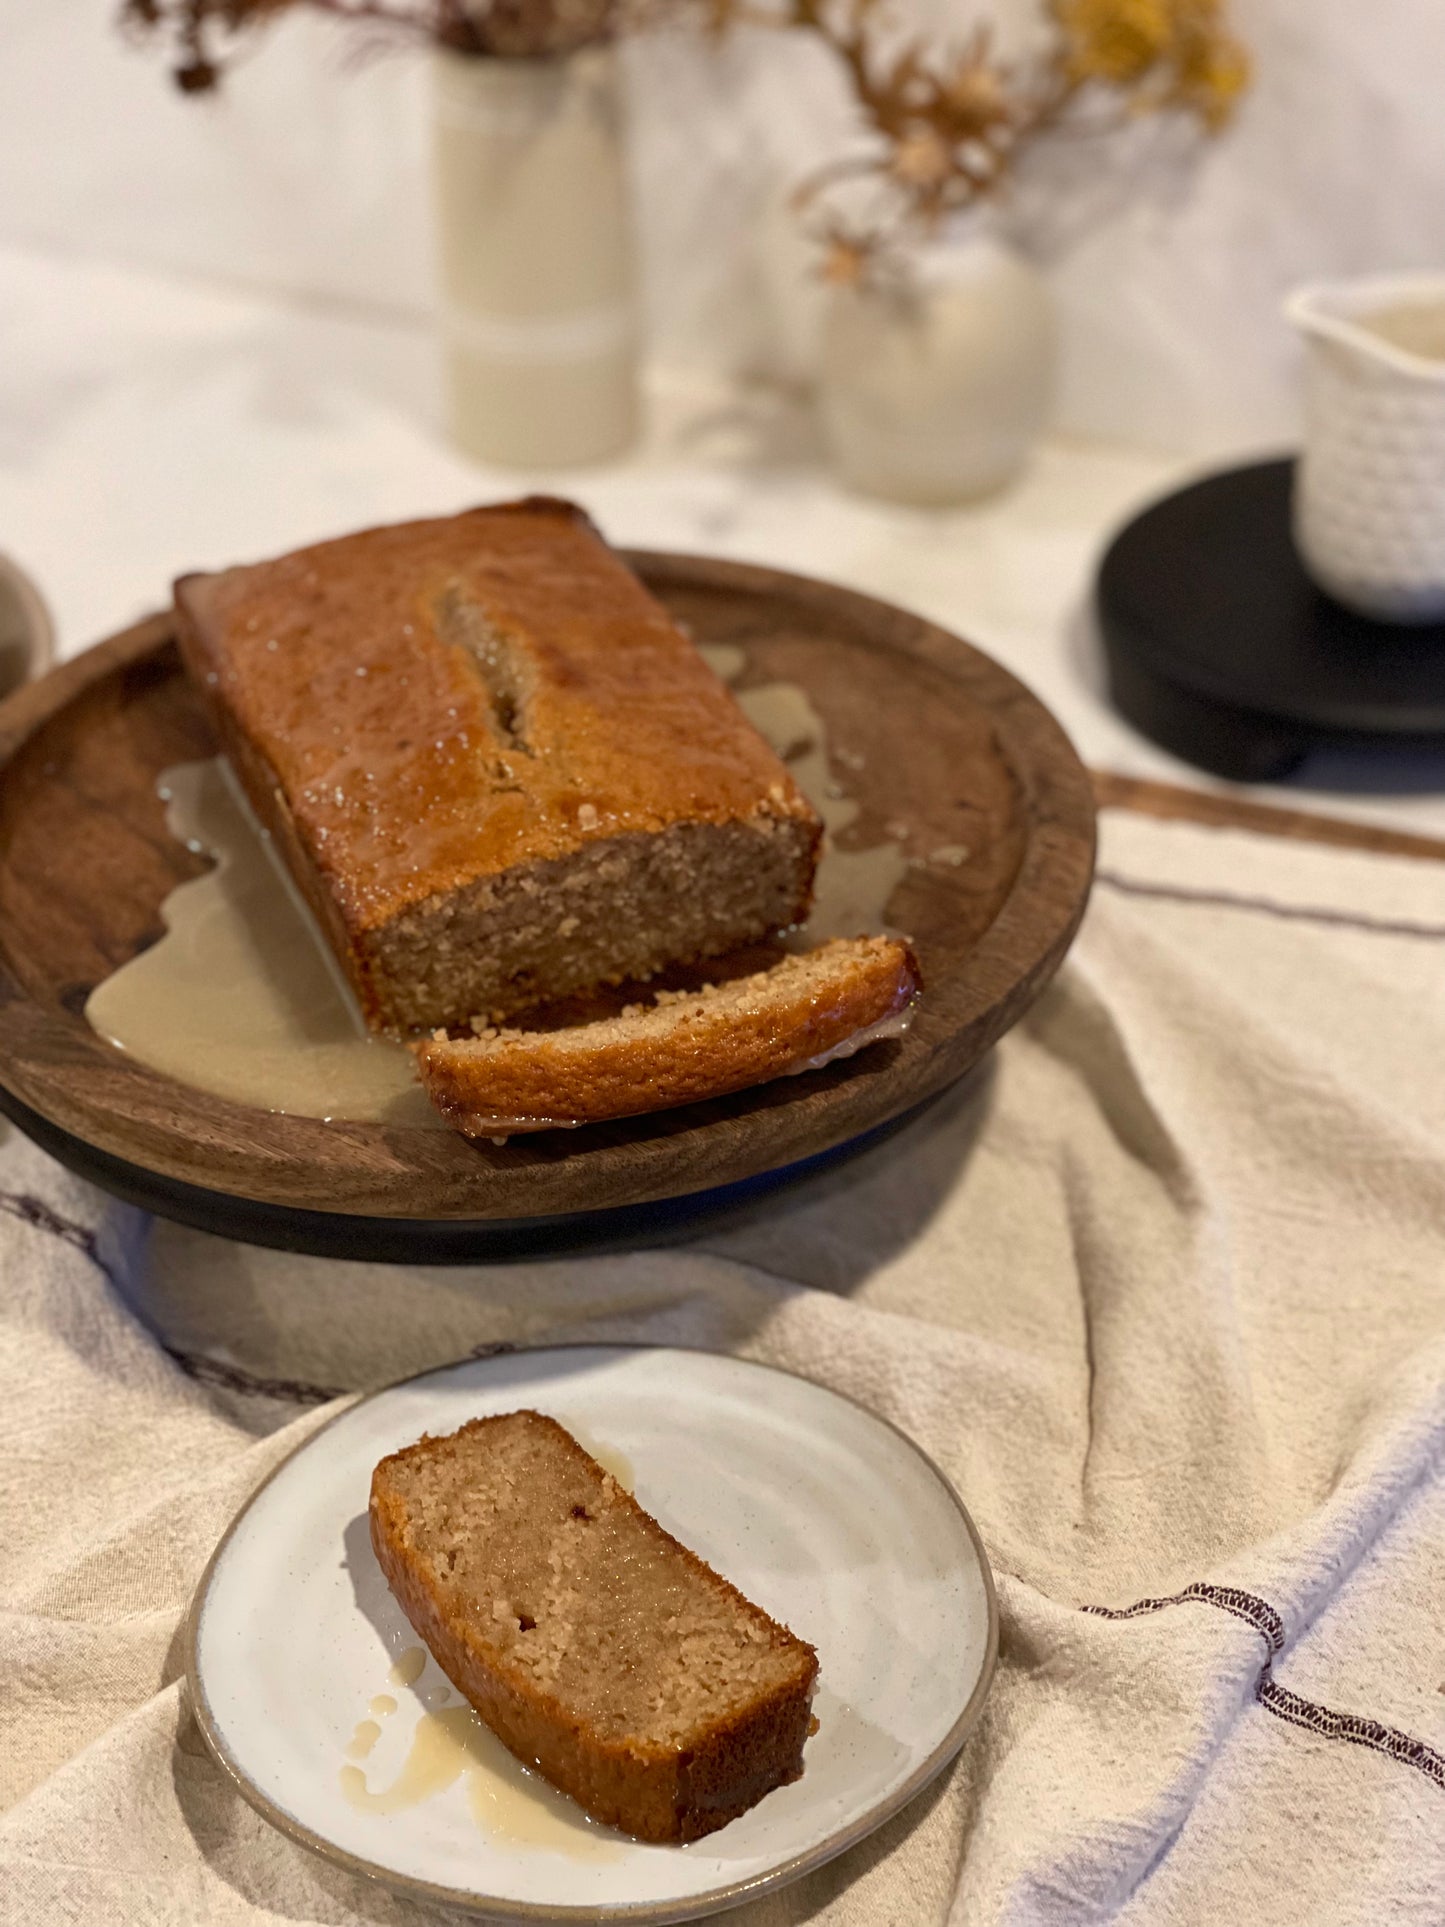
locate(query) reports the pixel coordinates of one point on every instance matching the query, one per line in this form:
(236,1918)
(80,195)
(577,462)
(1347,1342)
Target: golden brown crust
(682,1053)
(351,671)
(656,1792)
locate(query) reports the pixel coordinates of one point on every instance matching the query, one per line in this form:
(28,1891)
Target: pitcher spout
(1391,324)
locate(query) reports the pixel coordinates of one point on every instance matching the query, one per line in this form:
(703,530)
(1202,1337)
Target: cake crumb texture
(599,1649)
(495,766)
(677,1047)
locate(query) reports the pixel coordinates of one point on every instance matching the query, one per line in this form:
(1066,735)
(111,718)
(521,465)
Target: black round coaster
(1221,649)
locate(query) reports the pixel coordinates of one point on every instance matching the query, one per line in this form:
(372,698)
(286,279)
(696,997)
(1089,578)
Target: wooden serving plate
(950,745)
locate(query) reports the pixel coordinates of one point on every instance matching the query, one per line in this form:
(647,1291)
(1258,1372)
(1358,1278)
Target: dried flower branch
(949,126)
(204,35)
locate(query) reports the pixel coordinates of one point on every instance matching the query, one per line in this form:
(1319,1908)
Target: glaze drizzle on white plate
(818,1511)
(450,1744)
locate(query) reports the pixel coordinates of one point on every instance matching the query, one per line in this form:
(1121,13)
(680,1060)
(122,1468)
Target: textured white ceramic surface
(1370,489)
(820,1512)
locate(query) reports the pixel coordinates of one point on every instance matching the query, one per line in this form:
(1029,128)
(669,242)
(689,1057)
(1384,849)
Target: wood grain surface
(935,736)
(1220,810)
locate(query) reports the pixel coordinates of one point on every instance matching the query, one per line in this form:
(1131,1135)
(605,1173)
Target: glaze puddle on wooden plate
(242,997)
(853,887)
(931,737)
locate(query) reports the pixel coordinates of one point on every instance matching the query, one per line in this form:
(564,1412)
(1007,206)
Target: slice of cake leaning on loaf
(495,767)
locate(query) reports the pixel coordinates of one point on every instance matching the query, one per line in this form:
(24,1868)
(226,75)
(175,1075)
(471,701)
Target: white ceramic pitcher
(1369,508)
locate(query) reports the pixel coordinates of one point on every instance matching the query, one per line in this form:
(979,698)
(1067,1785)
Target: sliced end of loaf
(679,1047)
(618,909)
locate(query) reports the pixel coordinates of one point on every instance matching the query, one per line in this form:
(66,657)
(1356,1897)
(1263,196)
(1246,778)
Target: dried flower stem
(949,126)
(205,34)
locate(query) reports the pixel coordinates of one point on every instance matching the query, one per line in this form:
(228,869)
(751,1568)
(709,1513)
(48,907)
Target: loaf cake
(677,1047)
(597,1648)
(496,768)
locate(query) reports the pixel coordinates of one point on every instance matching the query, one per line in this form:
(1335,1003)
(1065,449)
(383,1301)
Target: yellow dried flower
(1212,68)
(1215,91)
(1114,41)
(949,127)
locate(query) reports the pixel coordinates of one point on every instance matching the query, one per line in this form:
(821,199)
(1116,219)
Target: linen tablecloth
(1161,1287)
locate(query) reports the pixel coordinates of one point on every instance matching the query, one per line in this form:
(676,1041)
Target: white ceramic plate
(822,1513)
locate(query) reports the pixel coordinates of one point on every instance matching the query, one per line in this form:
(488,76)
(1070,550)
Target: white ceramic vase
(937,390)
(538,284)
(791,297)
(1369,505)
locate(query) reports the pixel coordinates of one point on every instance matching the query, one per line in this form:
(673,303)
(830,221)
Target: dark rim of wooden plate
(642,1913)
(309,1185)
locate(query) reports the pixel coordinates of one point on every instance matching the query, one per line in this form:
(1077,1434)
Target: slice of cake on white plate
(598,1648)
